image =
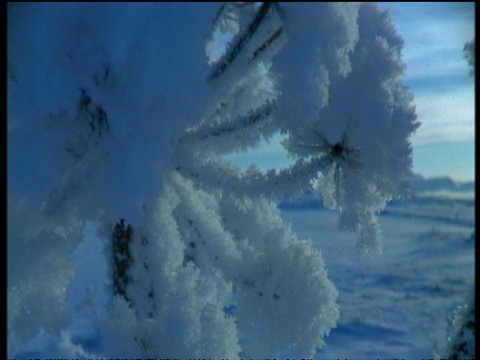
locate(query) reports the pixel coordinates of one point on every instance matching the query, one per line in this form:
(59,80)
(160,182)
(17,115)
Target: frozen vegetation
(130,234)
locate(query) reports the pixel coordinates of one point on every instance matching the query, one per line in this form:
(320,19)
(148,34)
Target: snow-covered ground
(400,303)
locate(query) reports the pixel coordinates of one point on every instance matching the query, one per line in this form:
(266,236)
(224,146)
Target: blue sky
(438,74)
(434,35)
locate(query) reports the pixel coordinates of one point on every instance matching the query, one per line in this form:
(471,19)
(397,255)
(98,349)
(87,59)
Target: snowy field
(397,304)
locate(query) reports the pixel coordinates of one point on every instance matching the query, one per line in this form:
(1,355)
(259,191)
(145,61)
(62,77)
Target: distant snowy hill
(441,184)
(425,191)
(310,199)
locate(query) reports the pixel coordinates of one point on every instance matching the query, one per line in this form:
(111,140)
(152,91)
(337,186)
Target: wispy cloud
(434,35)
(446,116)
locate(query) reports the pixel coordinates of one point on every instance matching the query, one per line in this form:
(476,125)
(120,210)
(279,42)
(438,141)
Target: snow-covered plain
(398,304)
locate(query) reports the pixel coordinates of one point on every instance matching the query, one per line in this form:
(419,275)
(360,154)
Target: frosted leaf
(225,28)
(360,139)
(284,279)
(261,36)
(175,309)
(469,55)
(244,240)
(461,331)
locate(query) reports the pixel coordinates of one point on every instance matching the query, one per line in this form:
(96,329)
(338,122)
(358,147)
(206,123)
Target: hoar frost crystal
(213,271)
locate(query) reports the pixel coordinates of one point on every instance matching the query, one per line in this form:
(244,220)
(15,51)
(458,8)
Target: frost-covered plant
(208,268)
(461,337)
(122,258)
(469,55)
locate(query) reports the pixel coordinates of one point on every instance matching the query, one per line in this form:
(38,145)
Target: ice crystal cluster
(128,122)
